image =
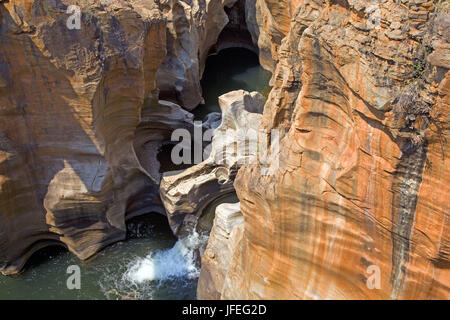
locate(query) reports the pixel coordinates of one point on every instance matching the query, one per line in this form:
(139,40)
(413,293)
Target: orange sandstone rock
(80,121)
(362,184)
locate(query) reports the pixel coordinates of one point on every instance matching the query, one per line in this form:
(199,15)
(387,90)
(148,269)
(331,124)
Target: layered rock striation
(185,195)
(355,205)
(358,206)
(69,108)
(225,236)
(83,113)
(193,28)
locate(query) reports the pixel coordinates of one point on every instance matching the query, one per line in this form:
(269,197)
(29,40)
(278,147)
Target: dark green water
(114,272)
(231,69)
(151,264)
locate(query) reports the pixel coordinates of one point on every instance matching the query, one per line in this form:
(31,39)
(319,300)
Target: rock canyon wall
(81,118)
(361,96)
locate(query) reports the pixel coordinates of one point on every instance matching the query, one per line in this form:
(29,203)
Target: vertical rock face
(269,23)
(358,207)
(225,235)
(80,120)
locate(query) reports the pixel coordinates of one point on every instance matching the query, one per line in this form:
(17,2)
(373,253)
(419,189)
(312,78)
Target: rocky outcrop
(358,207)
(80,116)
(186,194)
(225,235)
(269,22)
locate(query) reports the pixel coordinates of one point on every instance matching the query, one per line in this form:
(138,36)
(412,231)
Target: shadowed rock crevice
(185,195)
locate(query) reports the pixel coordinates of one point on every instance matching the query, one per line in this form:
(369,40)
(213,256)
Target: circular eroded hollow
(223,175)
(206,221)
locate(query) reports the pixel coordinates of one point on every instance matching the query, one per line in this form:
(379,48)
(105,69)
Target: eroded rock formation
(361,92)
(361,97)
(186,194)
(80,116)
(70,107)
(193,28)
(225,236)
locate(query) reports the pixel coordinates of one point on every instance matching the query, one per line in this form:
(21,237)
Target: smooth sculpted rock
(70,103)
(193,28)
(155,129)
(234,143)
(269,22)
(356,205)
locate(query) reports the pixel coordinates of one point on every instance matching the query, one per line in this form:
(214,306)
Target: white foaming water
(178,262)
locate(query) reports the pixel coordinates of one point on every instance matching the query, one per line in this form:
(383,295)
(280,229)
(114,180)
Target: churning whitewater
(178,262)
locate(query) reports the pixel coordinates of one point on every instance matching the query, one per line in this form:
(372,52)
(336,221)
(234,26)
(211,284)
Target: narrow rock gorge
(351,169)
